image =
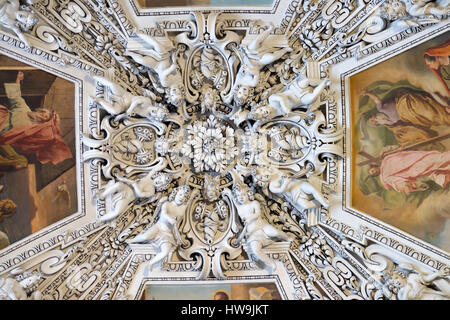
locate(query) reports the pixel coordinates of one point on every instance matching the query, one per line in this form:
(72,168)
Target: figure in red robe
(407,171)
(31,132)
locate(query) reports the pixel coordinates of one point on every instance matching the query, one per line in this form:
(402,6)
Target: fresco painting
(401,141)
(224,291)
(37,150)
(203,3)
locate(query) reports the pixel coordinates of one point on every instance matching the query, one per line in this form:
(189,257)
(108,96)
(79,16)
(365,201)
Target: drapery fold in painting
(42,139)
(4,112)
(409,166)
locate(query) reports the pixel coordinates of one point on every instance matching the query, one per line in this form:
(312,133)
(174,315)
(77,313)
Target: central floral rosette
(210,145)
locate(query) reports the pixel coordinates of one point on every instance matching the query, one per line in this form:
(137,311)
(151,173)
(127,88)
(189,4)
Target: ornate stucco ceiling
(223,145)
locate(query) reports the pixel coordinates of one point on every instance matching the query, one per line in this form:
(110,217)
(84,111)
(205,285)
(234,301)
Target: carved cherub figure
(407,13)
(124,191)
(298,192)
(420,8)
(164,234)
(298,93)
(417,285)
(257,232)
(259,53)
(161,59)
(11,17)
(262,112)
(119,102)
(20,285)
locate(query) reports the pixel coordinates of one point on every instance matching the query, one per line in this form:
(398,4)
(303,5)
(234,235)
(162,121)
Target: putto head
(161,181)
(176,94)
(262,112)
(262,175)
(211,190)
(393,10)
(163,145)
(158,113)
(242,193)
(26,20)
(242,94)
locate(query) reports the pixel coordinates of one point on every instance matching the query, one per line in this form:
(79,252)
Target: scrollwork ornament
(214,147)
(197,138)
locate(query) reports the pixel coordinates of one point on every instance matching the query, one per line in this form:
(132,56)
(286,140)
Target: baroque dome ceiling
(271,146)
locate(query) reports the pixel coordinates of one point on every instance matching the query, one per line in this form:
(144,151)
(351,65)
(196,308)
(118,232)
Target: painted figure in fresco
(407,171)
(119,101)
(164,234)
(124,191)
(437,59)
(257,232)
(20,285)
(261,293)
(406,114)
(10,160)
(410,107)
(299,192)
(30,132)
(298,93)
(221,295)
(161,59)
(405,117)
(19,21)
(420,8)
(7,209)
(259,53)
